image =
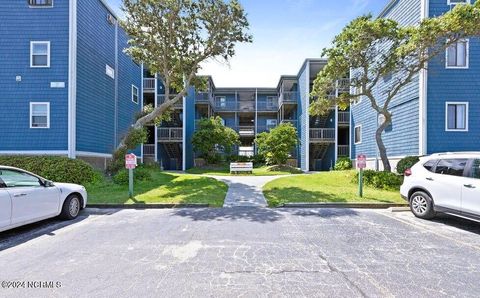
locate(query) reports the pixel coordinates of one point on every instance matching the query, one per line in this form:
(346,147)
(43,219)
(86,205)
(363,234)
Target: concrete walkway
(245,191)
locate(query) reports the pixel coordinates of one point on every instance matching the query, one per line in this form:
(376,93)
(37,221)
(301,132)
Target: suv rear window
(453,167)
(430,165)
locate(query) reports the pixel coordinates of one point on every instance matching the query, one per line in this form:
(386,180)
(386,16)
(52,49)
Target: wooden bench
(241,167)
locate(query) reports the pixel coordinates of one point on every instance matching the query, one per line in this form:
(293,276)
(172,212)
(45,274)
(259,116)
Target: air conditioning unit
(111,19)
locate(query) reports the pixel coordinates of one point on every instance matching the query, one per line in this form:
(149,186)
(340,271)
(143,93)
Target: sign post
(130,164)
(361,164)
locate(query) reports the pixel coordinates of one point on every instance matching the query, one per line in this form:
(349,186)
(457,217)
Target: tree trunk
(381,146)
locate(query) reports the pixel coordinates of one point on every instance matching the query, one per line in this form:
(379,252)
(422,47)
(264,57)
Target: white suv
(444,182)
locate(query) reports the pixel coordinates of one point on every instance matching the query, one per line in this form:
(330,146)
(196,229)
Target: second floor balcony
(149,84)
(322,135)
(162,98)
(169,134)
(289,97)
(343,118)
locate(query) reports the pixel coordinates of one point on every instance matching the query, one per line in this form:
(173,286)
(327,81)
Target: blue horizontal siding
(19,25)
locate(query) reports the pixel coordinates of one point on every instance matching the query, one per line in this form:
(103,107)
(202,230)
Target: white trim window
(457,54)
(39,115)
(40,54)
(221,101)
(40,3)
(456,116)
(455,2)
(357,135)
(135,95)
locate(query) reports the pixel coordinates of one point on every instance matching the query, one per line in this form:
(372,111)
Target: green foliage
(139,174)
(212,139)
(378,48)
(55,168)
(277,144)
(380,179)
(406,163)
(343,163)
(148,109)
(258,160)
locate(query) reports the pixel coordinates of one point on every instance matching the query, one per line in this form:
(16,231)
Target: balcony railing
(264,128)
(343,150)
(320,135)
(149,149)
(289,97)
(245,131)
(170,134)
(267,106)
(343,117)
(203,97)
(343,85)
(177,105)
(226,106)
(149,84)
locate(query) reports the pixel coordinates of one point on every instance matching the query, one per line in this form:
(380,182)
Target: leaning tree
(372,49)
(172,38)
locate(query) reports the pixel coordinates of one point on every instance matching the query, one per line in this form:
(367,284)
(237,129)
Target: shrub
(258,160)
(406,163)
(343,163)
(139,174)
(277,144)
(380,180)
(238,158)
(55,168)
(284,168)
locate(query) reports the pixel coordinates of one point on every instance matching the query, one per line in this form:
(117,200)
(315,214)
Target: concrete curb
(343,205)
(146,206)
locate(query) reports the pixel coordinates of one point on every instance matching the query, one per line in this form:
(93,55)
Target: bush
(406,163)
(284,168)
(55,168)
(380,180)
(343,163)
(277,144)
(139,174)
(238,158)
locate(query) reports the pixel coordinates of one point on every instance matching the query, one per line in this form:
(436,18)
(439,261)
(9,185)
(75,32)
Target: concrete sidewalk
(245,191)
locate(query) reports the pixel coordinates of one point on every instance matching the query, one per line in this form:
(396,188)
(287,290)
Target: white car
(444,182)
(26,198)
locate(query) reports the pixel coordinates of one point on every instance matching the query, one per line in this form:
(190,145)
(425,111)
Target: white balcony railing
(149,84)
(343,117)
(322,135)
(170,134)
(149,149)
(343,150)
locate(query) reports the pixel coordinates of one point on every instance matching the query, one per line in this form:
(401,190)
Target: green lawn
(167,188)
(225,171)
(324,187)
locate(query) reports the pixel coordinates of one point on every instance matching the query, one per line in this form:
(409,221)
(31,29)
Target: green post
(130,183)
(360,183)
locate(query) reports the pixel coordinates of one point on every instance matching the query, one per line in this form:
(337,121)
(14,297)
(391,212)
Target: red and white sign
(361,161)
(130,161)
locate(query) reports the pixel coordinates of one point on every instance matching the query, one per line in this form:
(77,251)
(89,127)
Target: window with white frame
(40,54)
(39,115)
(457,116)
(453,2)
(109,71)
(457,54)
(135,95)
(358,134)
(40,3)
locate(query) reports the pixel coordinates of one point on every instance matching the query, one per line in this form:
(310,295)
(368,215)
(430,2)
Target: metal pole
(130,183)
(360,183)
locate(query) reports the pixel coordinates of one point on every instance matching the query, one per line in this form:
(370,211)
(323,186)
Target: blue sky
(285,32)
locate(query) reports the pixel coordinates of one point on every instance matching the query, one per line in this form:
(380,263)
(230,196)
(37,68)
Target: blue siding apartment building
(250,111)
(67,88)
(439,111)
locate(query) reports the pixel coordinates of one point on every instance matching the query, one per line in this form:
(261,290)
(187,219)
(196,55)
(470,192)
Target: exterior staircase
(174,153)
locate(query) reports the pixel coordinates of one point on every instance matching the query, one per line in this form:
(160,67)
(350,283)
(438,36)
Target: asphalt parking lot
(243,252)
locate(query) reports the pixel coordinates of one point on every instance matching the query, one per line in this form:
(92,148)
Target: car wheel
(421,205)
(71,207)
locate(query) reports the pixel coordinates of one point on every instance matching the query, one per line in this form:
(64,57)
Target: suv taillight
(408,172)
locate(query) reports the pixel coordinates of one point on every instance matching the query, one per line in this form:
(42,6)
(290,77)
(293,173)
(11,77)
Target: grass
(325,187)
(163,188)
(260,171)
